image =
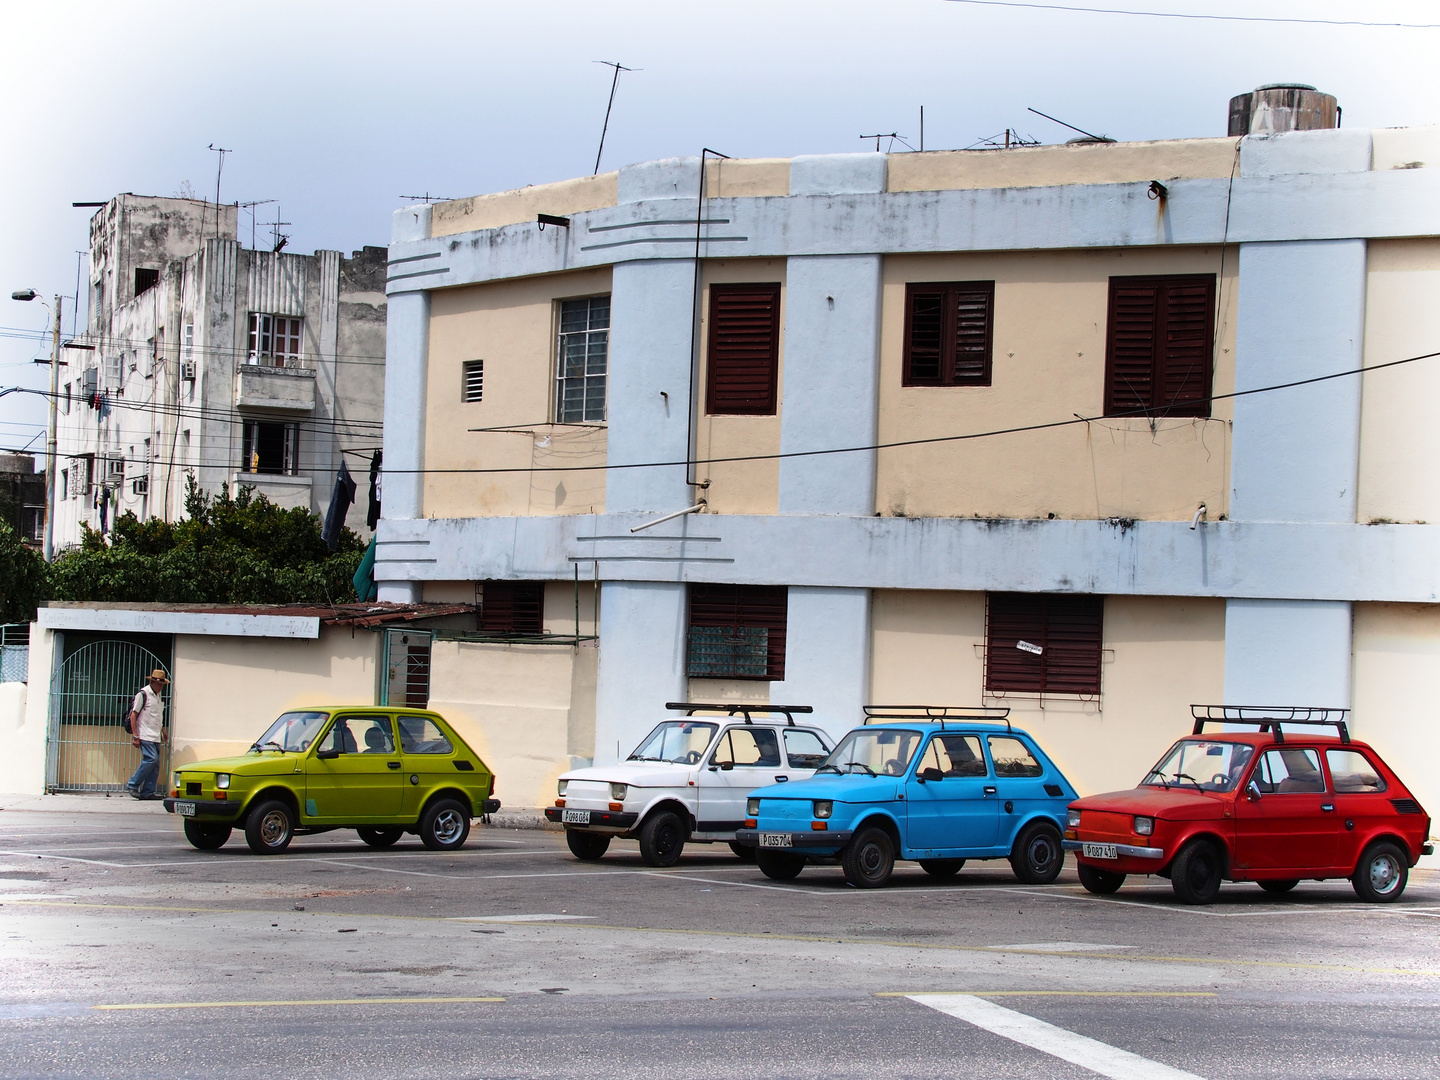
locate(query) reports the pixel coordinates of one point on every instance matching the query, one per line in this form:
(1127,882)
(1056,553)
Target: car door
(1292,826)
(353,775)
(745,757)
(950,795)
(426,756)
(1360,802)
(1019,785)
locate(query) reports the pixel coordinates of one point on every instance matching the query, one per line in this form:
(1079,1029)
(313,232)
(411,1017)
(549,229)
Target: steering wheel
(1221,780)
(692,757)
(893,767)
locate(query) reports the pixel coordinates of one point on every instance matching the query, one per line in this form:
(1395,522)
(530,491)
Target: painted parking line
(141,1006)
(517,918)
(1058,1042)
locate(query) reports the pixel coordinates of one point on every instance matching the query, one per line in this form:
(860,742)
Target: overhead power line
(1198,15)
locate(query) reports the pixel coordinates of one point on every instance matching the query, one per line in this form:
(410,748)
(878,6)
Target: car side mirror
(1252,791)
(327,754)
(726,766)
(931,774)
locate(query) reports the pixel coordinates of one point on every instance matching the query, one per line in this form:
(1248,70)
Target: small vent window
(472,380)
(512,607)
(145,279)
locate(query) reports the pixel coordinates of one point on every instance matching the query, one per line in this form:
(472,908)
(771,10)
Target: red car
(1270,806)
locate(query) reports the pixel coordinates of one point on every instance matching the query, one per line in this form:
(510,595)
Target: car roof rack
(938,714)
(1269,717)
(741,708)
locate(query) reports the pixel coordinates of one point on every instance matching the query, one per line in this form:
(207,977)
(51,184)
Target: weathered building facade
(203,357)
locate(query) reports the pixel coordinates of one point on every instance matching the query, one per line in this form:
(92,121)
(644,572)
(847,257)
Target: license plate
(575,817)
(774,839)
(185,809)
(1099,851)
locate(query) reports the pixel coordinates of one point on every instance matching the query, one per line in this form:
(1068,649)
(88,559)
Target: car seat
(375,741)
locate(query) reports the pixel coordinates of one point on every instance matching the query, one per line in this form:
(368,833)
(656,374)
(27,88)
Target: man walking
(147,731)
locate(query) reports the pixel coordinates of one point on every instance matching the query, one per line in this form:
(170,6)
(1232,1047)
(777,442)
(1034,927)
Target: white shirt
(149,713)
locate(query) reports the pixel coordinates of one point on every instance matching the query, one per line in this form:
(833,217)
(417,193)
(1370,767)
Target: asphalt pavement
(124,952)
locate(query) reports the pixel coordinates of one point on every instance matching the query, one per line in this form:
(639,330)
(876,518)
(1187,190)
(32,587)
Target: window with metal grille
(512,607)
(146,278)
(1159,344)
(582,358)
(737,632)
(274,340)
(949,333)
(271,448)
(743,351)
(472,380)
(1043,643)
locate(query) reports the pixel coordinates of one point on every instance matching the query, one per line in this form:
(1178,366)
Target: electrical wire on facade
(1197,15)
(105,341)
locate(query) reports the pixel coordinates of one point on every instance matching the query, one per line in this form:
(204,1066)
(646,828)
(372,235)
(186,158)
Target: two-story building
(1076,429)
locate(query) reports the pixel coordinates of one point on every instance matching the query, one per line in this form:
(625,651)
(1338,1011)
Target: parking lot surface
(125,952)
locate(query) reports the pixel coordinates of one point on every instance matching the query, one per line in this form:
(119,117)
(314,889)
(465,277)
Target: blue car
(939,786)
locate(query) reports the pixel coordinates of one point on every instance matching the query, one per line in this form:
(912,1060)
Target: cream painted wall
(22,769)
(1405,148)
(511,326)
(511,207)
(229,689)
(741,487)
(1049,364)
(1399,439)
(733,178)
(1397,652)
(1162,655)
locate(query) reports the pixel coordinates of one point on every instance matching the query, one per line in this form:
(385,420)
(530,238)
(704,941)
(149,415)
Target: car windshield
(873,751)
(681,742)
(293,731)
(1203,764)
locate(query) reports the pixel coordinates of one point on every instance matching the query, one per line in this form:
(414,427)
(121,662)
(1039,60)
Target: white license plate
(1099,851)
(575,817)
(774,839)
(185,809)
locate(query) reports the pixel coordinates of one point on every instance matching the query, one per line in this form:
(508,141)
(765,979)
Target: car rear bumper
(489,806)
(1124,851)
(204,811)
(609,820)
(818,843)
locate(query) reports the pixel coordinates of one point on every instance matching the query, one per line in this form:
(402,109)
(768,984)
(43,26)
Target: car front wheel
(1381,874)
(380,838)
(1196,873)
(941,869)
(1100,882)
(869,859)
(444,825)
(1037,856)
(207,836)
(778,866)
(270,827)
(662,839)
(585,845)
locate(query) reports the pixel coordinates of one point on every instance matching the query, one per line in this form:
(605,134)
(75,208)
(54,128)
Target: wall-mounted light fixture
(552,219)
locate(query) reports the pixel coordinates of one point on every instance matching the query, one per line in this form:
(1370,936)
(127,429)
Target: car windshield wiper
(1156,773)
(1186,776)
(828,768)
(269,742)
(853,765)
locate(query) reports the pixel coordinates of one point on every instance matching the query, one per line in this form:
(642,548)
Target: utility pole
(50,443)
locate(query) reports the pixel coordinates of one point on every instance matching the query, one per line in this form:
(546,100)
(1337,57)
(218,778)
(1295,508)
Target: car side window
(1012,757)
(1352,773)
(421,735)
(360,735)
(955,755)
(754,746)
(803,749)
(1289,772)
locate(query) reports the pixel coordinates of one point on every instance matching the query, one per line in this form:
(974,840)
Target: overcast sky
(337,110)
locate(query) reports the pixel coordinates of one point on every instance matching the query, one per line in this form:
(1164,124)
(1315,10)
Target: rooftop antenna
(277,237)
(1072,127)
(613,83)
(892,136)
(427,198)
(250,206)
(219,168)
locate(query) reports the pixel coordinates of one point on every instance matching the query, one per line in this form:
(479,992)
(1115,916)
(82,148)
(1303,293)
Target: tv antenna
(606,127)
(250,206)
(892,136)
(1072,127)
(278,238)
(219,168)
(427,198)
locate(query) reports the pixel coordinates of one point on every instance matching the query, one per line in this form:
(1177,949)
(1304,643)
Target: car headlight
(1144,826)
(1072,819)
(617,792)
(752,808)
(222,781)
(560,787)
(824,808)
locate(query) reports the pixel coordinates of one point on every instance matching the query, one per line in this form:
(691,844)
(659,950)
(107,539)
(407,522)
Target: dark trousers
(144,780)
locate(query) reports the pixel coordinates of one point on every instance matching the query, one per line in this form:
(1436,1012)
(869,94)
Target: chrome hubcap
(448,824)
(273,828)
(1384,874)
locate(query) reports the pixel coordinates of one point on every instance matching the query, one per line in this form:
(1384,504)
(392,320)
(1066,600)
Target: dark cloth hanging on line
(364,579)
(372,516)
(340,501)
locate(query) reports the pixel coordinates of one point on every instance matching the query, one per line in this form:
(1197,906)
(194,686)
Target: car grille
(192,788)
(1406,806)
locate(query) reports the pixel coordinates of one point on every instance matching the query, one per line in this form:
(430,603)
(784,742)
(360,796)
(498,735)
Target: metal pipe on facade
(671,517)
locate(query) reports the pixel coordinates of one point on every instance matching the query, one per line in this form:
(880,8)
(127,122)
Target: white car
(687,780)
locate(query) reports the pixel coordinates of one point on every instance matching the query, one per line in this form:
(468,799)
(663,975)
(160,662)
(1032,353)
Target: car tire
(778,866)
(1196,873)
(869,858)
(662,839)
(1381,873)
(743,852)
(1279,887)
(444,825)
(1100,882)
(1038,856)
(587,846)
(380,838)
(941,869)
(270,827)
(206,835)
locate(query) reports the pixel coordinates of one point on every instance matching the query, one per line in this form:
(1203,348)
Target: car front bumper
(204,811)
(1123,851)
(799,841)
(599,819)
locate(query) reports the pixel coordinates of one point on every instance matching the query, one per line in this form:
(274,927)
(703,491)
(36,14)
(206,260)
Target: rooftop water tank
(1283,107)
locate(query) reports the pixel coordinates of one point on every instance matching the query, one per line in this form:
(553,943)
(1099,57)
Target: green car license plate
(774,839)
(185,809)
(1099,851)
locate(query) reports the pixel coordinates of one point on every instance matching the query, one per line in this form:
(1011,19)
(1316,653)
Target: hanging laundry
(372,516)
(340,500)
(364,579)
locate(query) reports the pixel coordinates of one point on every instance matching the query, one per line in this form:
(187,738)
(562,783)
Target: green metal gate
(88,748)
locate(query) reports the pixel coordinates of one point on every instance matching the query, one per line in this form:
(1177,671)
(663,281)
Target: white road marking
(1061,947)
(1066,1045)
(518,918)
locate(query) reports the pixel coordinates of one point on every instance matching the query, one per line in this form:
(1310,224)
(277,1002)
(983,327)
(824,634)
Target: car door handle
(1328,807)
(989,791)
(781,779)
(393,764)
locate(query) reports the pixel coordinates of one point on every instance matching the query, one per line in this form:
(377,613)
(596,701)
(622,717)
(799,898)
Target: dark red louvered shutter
(512,607)
(1159,344)
(737,631)
(1130,348)
(949,329)
(973,306)
(1067,631)
(1189,326)
(1013,618)
(743,358)
(924,333)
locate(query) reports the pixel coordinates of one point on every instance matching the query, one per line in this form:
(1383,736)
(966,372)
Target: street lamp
(50,455)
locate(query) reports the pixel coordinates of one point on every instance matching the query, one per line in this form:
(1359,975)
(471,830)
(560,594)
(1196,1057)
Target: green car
(380,771)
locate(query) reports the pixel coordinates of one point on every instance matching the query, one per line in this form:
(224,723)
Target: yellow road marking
(1053,993)
(316,1001)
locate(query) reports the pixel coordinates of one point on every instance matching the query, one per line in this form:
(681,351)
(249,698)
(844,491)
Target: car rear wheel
(1100,882)
(662,839)
(270,827)
(1279,887)
(1038,856)
(380,838)
(743,852)
(941,869)
(869,859)
(444,825)
(1196,873)
(207,836)
(778,866)
(1381,874)
(586,845)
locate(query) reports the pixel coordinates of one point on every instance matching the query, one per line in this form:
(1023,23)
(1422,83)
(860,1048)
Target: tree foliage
(23,581)
(228,550)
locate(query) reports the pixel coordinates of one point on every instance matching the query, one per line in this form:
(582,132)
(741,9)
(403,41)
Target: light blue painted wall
(827,655)
(641,664)
(1287,652)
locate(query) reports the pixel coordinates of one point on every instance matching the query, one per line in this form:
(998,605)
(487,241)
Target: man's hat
(159,673)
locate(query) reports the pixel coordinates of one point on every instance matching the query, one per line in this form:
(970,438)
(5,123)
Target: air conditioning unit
(140,485)
(114,469)
(187,370)
(89,381)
